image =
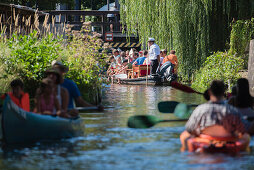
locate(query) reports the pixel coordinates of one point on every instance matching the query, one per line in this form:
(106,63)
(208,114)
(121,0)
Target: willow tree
(194,28)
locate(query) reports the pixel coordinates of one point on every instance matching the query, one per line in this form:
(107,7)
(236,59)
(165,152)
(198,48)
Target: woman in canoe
(243,101)
(46,101)
(61,93)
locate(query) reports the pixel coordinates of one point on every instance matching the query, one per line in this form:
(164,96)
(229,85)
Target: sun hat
(56,71)
(151,39)
(60,65)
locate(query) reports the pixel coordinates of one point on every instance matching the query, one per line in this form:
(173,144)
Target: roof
(20,9)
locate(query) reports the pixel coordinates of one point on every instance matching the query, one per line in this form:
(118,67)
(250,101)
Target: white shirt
(154,51)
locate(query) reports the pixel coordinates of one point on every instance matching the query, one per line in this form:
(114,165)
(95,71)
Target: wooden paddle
(169,106)
(183,87)
(147,121)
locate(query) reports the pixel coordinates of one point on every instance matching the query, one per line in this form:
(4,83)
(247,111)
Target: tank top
(49,106)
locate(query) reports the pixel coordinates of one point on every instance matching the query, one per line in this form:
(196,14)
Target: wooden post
(251,67)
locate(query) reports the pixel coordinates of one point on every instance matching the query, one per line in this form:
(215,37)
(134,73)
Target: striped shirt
(211,113)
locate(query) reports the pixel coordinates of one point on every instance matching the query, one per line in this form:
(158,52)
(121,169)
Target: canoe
(209,144)
(150,80)
(19,126)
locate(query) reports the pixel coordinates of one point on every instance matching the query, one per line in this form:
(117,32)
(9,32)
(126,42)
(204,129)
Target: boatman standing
(154,55)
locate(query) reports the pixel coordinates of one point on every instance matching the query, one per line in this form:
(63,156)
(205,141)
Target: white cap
(151,39)
(60,64)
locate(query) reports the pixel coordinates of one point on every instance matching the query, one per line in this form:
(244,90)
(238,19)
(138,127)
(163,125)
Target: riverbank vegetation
(226,65)
(27,56)
(195,29)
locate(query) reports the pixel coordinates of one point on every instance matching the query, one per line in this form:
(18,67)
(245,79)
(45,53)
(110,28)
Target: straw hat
(56,71)
(60,65)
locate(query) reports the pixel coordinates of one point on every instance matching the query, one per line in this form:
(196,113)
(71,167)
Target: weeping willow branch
(194,28)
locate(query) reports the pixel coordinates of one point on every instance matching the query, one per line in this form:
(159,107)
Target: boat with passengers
(20,126)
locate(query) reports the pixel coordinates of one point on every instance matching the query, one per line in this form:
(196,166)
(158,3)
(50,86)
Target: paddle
(183,87)
(183,111)
(147,121)
(169,106)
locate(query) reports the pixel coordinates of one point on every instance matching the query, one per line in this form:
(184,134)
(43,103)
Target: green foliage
(28,56)
(194,28)
(219,66)
(242,32)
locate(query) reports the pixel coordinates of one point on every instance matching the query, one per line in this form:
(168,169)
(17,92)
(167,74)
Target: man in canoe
(71,86)
(154,55)
(215,118)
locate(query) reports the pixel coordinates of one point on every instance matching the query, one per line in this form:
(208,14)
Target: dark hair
(234,90)
(125,60)
(243,97)
(217,88)
(172,52)
(16,83)
(145,52)
(206,95)
(136,54)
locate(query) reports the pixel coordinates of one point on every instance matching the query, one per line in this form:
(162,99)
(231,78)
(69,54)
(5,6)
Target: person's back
(243,101)
(73,91)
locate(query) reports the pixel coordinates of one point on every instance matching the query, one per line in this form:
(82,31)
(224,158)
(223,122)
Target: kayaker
(18,96)
(243,101)
(154,55)
(71,86)
(46,101)
(215,118)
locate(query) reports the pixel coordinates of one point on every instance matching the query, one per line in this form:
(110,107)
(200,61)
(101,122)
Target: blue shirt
(140,60)
(73,90)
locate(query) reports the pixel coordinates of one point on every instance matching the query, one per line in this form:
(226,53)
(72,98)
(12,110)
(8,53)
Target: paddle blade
(183,87)
(183,111)
(167,106)
(142,121)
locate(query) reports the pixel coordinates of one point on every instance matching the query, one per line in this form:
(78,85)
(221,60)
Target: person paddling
(215,118)
(71,86)
(243,101)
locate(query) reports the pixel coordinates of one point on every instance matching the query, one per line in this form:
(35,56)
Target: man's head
(115,52)
(135,55)
(164,53)
(60,66)
(216,90)
(151,41)
(172,52)
(17,87)
(145,53)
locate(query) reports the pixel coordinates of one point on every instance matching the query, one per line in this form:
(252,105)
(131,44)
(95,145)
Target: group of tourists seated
(221,118)
(56,95)
(119,62)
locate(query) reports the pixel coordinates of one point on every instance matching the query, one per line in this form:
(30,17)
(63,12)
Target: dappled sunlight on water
(109,144)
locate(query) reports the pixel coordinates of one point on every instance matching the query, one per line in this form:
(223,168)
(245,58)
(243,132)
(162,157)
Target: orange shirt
(23,103)
(172,58)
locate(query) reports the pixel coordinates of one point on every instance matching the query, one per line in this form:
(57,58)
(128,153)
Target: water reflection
(109,144)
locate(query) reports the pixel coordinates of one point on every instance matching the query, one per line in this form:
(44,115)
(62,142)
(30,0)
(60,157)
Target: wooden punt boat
(19,126)
(150,80)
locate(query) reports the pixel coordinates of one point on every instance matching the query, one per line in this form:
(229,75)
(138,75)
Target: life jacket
(23,103)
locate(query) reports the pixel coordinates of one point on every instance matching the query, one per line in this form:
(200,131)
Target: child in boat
(18,96)
(46,101)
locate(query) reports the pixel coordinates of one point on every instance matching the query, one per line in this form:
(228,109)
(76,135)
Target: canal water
(108,144)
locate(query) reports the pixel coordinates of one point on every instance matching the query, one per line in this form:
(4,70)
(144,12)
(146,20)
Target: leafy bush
(28,56)
(219,66)
(241,34)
